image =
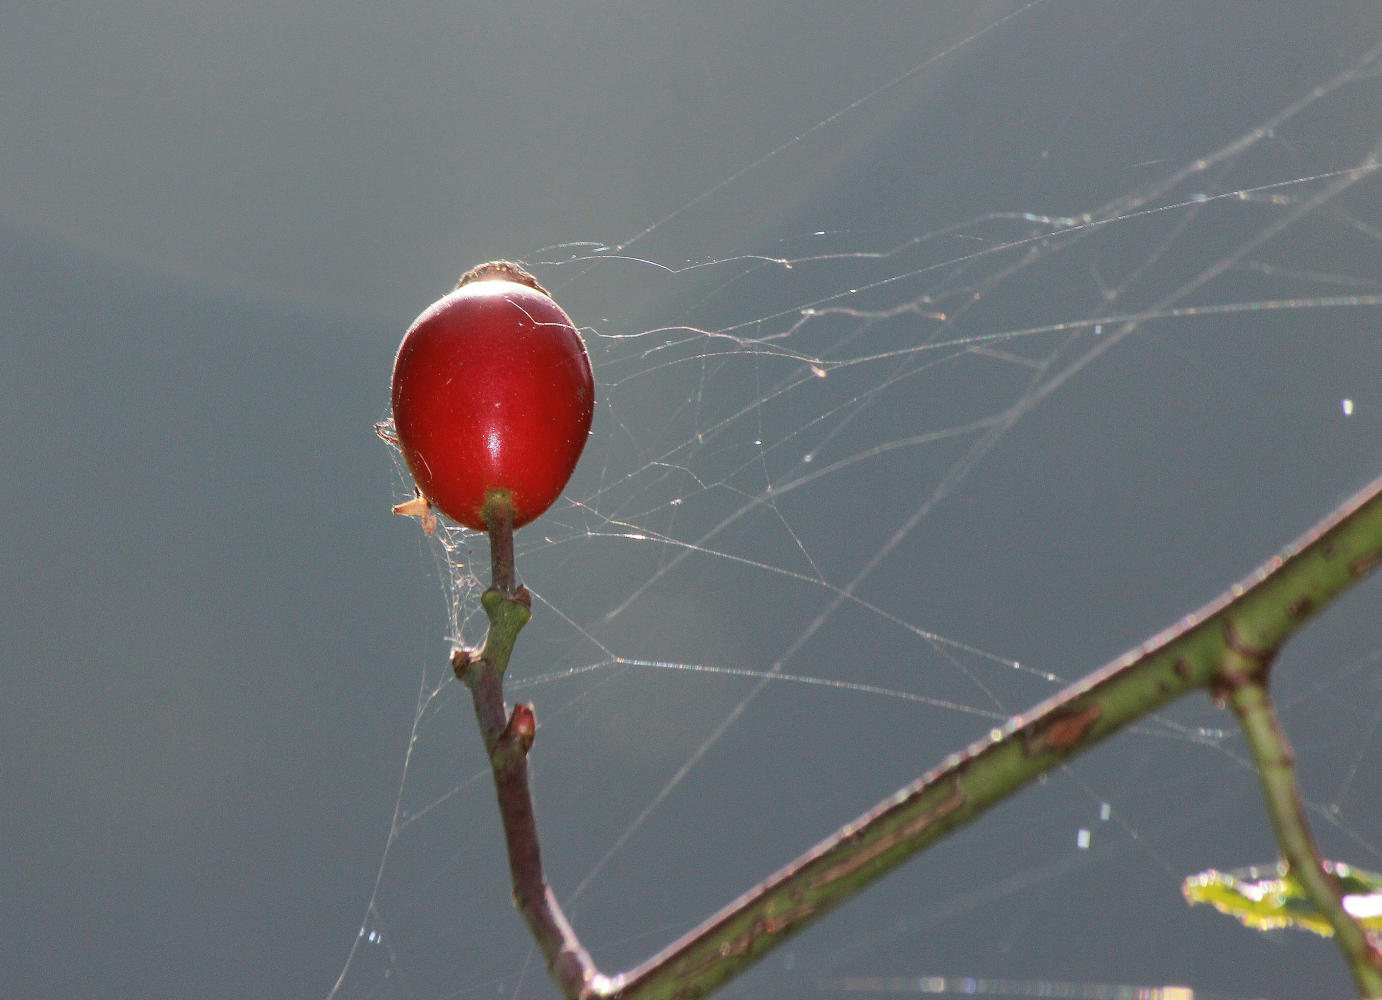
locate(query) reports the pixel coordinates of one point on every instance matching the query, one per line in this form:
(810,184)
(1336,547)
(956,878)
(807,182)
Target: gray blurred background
(232,765)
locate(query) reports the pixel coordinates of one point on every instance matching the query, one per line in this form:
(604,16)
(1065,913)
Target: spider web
(881,459)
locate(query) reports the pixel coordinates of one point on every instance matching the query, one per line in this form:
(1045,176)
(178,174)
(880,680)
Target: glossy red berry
(492,397)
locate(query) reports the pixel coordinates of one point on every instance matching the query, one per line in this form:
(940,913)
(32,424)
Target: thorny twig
(1203,651)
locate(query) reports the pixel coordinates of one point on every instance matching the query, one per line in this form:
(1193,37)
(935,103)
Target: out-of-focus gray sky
(318,153)
(215,224)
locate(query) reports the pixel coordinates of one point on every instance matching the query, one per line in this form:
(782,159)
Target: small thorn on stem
(522,728)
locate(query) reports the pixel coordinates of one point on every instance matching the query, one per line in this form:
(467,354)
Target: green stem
(508,738)
(498,513)
(1258,613)
(1274,758)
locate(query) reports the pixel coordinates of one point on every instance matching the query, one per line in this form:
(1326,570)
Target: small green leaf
(1267,897)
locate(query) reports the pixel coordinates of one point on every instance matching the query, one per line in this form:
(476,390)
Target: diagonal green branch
(1251,620)
(1225,647)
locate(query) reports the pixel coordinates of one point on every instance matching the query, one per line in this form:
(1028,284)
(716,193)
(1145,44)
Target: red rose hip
(492,397)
